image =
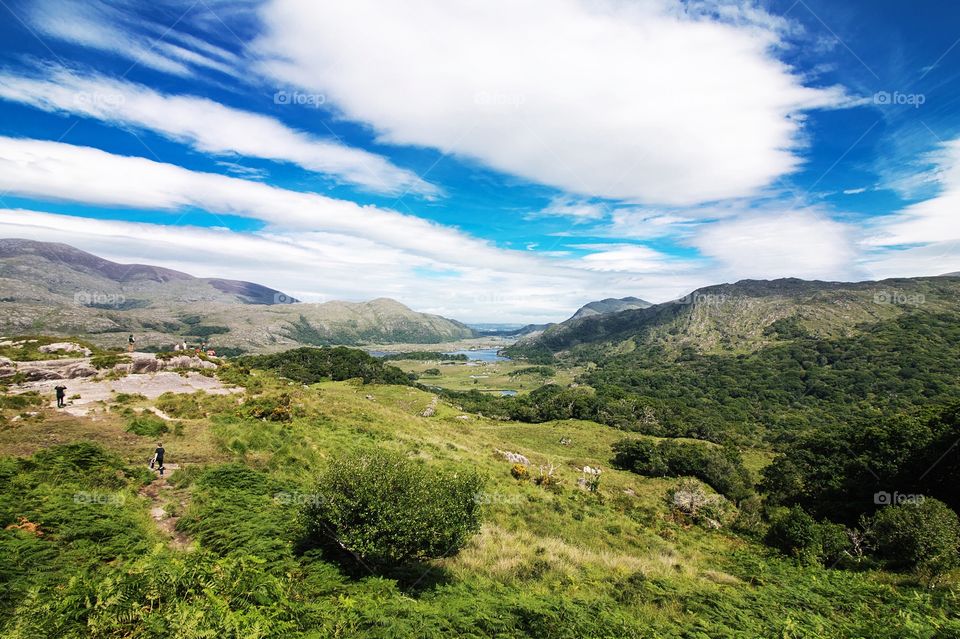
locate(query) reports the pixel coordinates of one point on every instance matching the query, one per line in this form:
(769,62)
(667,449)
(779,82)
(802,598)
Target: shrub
(920,535)
(271,408)
(386,509)
(689,499)
(147,425)
(795,533)
(721,468)
(519,471)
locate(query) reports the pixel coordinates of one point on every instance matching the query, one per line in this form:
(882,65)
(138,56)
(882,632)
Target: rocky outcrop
(48,369)
(80,367)
(65,347)
(148,363)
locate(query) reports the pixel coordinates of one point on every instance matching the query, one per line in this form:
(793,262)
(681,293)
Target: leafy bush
(519,471)
(721,468)
(797,534)
(21,400)
(689,499)
(540,371)
(147,425)
(921,535)
(274,408)
(387,509)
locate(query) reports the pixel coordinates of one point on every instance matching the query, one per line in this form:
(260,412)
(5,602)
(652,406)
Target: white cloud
(52,170)
(623,257)
(934,219)
(577,211)
(854,191)
(767,245)
(208,126)
(923,238)
(119,31)
(321,266)
(642,224)
(638,101)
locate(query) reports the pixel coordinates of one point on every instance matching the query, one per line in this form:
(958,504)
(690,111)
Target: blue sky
(503,161)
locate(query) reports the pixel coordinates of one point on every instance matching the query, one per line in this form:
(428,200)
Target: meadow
(83,552)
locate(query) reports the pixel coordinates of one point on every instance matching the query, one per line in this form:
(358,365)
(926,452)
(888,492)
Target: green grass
(547,563)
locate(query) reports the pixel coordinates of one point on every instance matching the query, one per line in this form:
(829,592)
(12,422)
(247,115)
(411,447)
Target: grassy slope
(550,564)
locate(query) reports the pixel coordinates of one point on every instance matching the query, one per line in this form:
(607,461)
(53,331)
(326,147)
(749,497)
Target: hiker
(158,458)
(130,343)
(61,395)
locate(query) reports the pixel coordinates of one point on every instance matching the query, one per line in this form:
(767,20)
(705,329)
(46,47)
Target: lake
(481,355)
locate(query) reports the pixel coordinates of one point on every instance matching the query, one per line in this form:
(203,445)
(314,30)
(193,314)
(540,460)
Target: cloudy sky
(500,161)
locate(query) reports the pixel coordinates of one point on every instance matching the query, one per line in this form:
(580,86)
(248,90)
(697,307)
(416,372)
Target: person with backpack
(61,395)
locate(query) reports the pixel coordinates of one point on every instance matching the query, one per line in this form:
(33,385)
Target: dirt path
(160,493)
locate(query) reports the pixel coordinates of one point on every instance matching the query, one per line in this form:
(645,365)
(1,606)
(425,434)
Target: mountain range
(58,289)
(749,314)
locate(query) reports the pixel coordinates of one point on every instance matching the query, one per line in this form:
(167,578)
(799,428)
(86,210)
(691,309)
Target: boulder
(65,347)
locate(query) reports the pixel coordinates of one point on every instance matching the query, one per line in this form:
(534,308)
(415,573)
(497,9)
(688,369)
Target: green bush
(274,408)
(147,425)
(721,468)
(797,534)
(386,509)
(921,535)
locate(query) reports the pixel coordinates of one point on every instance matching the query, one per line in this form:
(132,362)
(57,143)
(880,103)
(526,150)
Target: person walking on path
(61,395)
(158,458)
(130,343)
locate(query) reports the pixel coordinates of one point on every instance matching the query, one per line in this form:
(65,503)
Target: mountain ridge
(55,288)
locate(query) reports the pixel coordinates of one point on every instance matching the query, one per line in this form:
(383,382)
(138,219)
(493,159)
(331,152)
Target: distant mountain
(58,289)
(48,272)
(610,305)
(750,314)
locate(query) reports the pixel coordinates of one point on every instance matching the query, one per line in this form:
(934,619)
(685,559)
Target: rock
(515,458)
(55,369)
(65,347)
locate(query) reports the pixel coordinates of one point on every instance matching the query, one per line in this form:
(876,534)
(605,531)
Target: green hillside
(91,548)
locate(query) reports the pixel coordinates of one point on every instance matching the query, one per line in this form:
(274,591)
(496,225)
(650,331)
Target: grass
(547,563)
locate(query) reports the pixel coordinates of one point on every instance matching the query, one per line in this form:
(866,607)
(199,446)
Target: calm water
(481,355)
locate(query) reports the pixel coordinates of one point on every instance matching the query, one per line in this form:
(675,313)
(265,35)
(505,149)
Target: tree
(387,509)
(921,535)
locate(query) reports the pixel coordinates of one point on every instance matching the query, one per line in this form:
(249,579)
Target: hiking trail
(161,494)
